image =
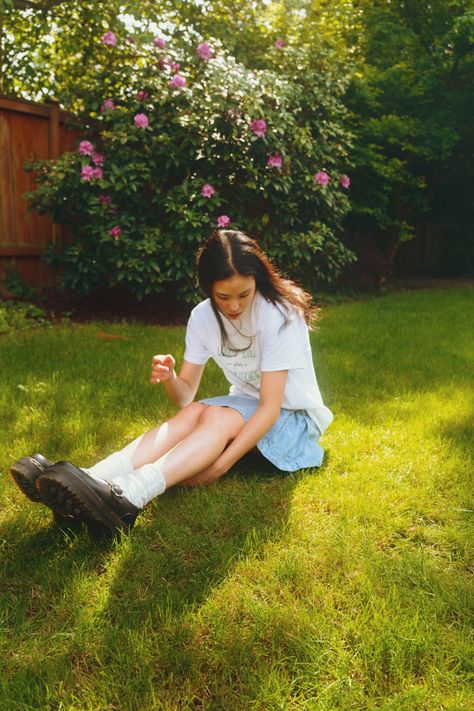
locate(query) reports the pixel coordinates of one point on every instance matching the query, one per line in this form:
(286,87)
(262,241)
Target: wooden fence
(28,131)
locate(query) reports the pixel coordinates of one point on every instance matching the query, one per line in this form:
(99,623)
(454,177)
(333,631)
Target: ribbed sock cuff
(143,485)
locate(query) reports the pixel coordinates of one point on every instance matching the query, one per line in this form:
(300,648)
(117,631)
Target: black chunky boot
(101,506)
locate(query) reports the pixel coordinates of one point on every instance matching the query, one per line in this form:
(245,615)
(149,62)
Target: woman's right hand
(162,368)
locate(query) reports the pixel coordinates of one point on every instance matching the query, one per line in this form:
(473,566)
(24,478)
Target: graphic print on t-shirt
(243,364)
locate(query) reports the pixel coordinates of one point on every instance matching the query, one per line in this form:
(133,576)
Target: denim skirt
(292,443)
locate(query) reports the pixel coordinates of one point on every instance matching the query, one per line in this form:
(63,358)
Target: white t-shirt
(273,346)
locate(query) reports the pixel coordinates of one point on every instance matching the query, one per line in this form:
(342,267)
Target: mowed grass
(347,587)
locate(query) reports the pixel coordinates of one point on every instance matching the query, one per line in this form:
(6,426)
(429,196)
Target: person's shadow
(184,546)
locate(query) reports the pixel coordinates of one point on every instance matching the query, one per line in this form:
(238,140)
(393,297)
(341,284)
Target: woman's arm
(181,388)
(272,390)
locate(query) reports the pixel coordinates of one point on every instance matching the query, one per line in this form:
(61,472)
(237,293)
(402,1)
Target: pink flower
(177,82)
(275,161)
(107,105)
(86,148)
(207,191)
(97,158)
(115,232)
(141,120)
(87,172)
(142,95)
(280,43)
(109,38)
(105,199)
(259,127)
(223,221)
(168,62)
(159,42)
(131,39)
(90,173)
(345,181)
(204,51)
(322,178)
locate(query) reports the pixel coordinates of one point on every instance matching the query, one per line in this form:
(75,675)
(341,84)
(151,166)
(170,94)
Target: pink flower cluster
(279,44)
(86,148)
(159,42)
(223,221)
(107,105)
(204,51)
(109,38)
(321,178)
(275,161)
(207,190)
(178,82)
(141,120)
(142,95)
(89,173)
(259,127)
(115,232)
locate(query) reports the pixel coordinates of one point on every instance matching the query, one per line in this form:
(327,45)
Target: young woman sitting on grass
(254,324)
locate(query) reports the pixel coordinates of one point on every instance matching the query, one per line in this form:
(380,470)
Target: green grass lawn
(347,587)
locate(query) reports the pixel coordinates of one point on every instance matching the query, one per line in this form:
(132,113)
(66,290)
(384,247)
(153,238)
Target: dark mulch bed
(113,306)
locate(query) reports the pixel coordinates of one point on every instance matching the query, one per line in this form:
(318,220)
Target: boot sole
(21,476)
(71,496)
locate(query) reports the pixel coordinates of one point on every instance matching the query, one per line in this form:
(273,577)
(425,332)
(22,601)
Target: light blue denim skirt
(292,443)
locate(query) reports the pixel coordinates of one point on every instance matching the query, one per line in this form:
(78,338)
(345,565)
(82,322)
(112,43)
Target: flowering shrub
(172,156)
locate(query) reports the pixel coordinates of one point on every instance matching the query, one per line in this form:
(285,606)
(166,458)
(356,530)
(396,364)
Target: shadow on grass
(189,544)
(460,433)
(183,547)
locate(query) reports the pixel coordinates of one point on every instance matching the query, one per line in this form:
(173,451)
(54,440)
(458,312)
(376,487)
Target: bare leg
(154,444)
(176,451)
(216,428)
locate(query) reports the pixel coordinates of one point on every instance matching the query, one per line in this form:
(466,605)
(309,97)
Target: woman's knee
(226,419)
(192,412)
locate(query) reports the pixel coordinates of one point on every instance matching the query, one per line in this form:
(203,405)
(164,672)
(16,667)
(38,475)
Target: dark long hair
(229,252)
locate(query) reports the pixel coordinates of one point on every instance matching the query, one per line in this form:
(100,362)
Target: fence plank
(28,131)
(7,183)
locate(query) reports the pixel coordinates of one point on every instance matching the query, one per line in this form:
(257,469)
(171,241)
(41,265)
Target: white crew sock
(108,469)
(142,485)
(139,486)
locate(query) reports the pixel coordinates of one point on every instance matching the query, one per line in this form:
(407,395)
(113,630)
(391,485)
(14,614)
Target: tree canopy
(412,101)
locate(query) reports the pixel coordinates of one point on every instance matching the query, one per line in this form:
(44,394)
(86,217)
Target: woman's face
(234,295)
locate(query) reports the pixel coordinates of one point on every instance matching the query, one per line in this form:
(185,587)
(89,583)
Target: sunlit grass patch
(348,587)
